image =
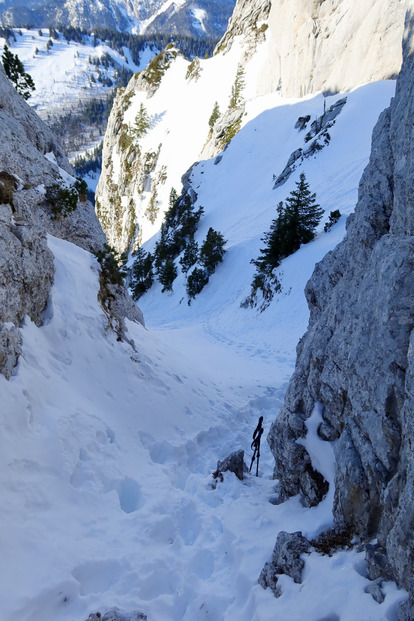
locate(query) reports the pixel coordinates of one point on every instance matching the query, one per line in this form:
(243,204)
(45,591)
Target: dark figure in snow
(255,446)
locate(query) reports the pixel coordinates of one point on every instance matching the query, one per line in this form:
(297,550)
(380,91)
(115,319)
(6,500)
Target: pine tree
(112,264)
(196,282)
(214,116)
(212,250)
(302,216)
(164,249)
(190,256)
(14,69)
(189,221)
(293,226)
(271,254)
(173,197)
(142,122)
(236,98)
(142,276)
(167,274)
(171,214)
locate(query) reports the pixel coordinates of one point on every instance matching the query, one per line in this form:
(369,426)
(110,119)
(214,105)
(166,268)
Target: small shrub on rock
(333,219)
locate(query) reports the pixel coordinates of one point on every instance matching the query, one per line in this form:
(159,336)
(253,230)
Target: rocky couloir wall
(331,45)
(31,162)
(357,356)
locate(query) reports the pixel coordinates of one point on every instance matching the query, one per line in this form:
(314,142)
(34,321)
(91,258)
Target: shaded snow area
(63,74)
(108,449)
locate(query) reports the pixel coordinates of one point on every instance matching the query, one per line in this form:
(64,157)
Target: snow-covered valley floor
(106,476)
(108,449)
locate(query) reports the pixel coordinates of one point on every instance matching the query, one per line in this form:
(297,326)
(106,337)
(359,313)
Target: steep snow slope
(108,448)
(239,200)
(139,173)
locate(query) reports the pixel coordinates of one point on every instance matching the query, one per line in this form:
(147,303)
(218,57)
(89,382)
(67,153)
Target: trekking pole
(255,445)
(252,462)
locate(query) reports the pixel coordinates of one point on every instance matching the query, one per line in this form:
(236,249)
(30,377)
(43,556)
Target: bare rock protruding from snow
(10,348)
(286,559)
(217,140)
(127,170)
(26,277)
(26,270)
(357,355)
(30,161)
(316,138)
(115,614)
(232,463)
(119,306)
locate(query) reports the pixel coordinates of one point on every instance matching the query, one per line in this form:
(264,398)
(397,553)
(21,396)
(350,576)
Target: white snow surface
(63,75)
(108,450)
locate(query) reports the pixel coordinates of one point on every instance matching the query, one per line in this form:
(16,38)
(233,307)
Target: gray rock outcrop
(232,463)
(318,134)
(31,165)
(249,20)
(31,157)
(357,356)
(315,45)
(286,559)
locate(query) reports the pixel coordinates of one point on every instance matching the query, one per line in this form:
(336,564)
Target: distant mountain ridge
(198,18)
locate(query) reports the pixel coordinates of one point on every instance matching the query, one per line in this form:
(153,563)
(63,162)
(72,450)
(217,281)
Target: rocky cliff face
(249,20)
(322,45)
(357,357)
(129,171)
(33,171)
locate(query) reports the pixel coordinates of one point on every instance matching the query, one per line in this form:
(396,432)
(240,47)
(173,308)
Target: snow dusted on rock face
(30,163)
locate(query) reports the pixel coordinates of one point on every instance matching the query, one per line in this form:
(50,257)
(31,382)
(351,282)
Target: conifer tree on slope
(212,250)
(13,66)
(293,226)
(142,276)
(167,274)
(302,216)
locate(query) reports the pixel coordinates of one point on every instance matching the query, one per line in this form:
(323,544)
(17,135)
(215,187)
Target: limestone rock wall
(30,163)
(321,45)
(249,20)
(356,357)
(127,191)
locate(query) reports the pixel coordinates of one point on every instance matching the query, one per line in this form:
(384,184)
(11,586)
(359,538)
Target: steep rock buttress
(357,356)
(33,171)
